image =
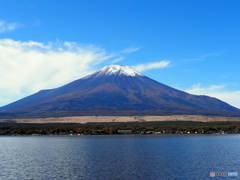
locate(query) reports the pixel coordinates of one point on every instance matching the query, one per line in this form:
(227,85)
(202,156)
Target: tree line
(113,127)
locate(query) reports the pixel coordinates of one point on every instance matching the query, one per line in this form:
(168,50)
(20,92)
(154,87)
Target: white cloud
(155,65)
(215,87)
(117,60)
(27,67)
(130,50)
(7,26)
(217,91)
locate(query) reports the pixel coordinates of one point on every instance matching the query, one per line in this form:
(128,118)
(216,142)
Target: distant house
(125,131)
(150,132)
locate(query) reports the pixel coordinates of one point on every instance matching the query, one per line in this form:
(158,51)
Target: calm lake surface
(119,157)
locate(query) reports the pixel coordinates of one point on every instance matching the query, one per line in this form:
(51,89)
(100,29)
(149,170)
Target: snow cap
(120,70)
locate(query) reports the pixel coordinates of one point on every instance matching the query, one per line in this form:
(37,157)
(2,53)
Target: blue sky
(189,45)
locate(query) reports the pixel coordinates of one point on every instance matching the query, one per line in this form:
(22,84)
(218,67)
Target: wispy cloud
(119,55)
(27,67)
(203,57)
(4,26)
(130,50)
(117,60)
(154,65)
(217,91)
(37,22)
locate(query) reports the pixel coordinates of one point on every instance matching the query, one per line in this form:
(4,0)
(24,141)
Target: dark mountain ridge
(117,90)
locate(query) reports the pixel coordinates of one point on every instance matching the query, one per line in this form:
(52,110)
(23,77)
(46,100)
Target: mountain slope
(118,90)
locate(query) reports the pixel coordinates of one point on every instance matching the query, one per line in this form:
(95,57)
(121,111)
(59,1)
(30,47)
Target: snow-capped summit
(116,70)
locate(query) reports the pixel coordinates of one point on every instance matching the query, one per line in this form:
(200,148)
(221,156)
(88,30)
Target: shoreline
(162,134)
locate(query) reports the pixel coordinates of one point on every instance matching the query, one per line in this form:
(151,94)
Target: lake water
(119,157)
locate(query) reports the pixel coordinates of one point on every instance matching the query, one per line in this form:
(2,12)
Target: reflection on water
(118,157)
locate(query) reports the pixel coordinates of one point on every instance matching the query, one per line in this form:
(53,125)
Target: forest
(173,127)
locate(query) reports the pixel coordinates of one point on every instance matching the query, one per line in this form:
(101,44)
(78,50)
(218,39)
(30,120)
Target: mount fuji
(117,90)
